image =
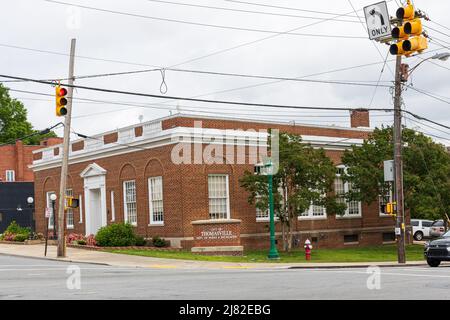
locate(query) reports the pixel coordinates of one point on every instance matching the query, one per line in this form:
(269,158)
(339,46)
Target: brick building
(135,174)
(15,159)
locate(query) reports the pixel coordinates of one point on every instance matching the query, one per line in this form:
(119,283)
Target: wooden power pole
(398,166)
(65,157)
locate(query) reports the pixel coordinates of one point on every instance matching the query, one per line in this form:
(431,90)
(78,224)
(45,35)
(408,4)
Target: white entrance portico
(95,197)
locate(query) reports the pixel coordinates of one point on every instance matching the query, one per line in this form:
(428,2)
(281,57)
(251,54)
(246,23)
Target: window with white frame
(113,208)
(10,176)
(50,207)
(340,188)
(261,215)
(383,200)
(129,199)
(265,215)
(69,211)
(314,212)
(155,190)
(218,196)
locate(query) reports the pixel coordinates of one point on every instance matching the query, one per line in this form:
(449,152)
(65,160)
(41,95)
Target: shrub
(15,231)
(140,241)
(80,242)
(158,242)
(116,235)
(20,237)
(74,237)
(90,240)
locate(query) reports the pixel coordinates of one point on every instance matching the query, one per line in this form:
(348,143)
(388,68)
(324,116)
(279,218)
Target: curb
(360,266)
(53,259)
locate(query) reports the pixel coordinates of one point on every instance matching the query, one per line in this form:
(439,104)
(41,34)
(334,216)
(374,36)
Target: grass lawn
(365,254)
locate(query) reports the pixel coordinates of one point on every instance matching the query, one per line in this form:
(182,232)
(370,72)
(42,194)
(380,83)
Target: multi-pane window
(340,188)
(314,211)
(261,214)
(218,196)
(155,189)
(384,200)
(69,211)
(129,195)
(50,207)
(10,176)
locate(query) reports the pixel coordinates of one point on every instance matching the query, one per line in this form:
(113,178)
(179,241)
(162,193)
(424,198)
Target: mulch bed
(78,246)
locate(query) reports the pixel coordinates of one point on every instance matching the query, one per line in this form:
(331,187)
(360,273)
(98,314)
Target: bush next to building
(116,235)
(14,232)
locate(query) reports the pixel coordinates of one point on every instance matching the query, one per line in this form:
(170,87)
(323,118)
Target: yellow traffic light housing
(61,101)
(72,202)
(397,48)
(415,44)
(406,13)
(399,33)
(413,27)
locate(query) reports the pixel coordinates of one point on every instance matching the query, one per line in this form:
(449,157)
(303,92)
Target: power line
(290,8)
(428,94)
(41,132)
(248,11)
(441,25)
(201,24)
(184,98)
(223,101)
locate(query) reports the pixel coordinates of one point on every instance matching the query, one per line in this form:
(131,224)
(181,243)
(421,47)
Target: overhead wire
(201,24)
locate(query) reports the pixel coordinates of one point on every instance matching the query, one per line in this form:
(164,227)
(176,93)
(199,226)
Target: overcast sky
(143,43)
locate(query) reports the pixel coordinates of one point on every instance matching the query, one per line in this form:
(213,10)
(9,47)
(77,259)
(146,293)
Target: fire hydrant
(308,248)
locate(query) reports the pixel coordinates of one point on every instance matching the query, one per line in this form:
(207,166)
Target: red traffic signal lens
(62,92)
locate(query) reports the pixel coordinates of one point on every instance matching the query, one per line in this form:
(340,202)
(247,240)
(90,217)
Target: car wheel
(433,263)
(418,236)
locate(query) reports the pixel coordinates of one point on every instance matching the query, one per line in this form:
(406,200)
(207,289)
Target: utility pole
(65,157)
(398,166)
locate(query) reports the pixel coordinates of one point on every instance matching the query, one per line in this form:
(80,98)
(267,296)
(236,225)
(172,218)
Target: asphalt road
(24,278)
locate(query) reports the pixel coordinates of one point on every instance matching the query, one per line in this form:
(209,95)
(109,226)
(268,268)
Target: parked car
(438,250)
(421,228)
(437,228)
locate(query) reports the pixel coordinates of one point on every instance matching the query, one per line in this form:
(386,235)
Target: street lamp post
(273,253)
(53,199)
(30,202)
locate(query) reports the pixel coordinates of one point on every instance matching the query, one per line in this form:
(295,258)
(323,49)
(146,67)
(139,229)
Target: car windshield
(447,234)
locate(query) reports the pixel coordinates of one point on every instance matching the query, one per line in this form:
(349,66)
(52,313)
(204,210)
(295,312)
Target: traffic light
(409,33)
(72,202)
(61,101)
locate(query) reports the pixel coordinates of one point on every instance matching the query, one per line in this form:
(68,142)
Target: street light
(443,56)
(30,201)
(53,198)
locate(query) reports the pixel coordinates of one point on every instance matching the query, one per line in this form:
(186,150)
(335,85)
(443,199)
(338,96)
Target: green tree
(305,177)
(14,123)
(426,172)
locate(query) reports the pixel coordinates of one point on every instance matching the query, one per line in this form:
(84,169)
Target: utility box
(389,170)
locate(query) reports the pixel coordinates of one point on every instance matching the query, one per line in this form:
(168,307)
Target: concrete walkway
(123,260)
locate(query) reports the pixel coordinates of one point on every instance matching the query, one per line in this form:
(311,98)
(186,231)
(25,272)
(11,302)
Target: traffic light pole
(65,156)
(398,166)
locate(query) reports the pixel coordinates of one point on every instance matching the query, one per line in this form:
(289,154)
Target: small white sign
(388,170)
(398,231)
(47,212)
(377,20)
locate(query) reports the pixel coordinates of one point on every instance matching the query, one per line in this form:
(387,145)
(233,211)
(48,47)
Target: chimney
(359,118)
(51,141)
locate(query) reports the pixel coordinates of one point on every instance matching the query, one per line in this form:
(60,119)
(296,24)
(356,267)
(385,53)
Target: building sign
(216,233)
(377,20)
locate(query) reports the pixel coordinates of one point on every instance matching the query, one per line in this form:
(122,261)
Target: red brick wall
(17,157)
(359,118)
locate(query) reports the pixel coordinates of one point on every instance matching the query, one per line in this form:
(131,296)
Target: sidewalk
(123,260)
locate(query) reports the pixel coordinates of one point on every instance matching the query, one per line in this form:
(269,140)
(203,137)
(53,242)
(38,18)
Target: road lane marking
(162,266)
